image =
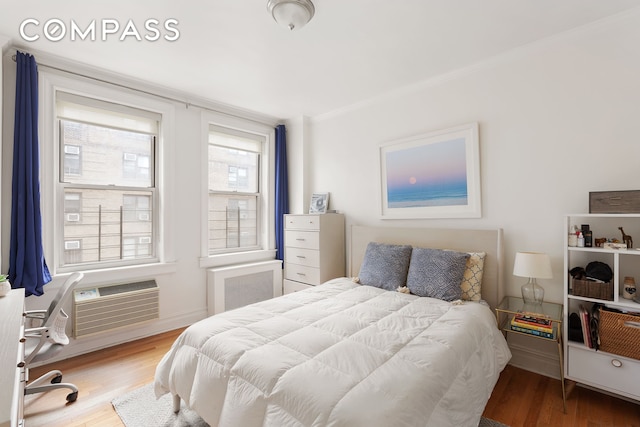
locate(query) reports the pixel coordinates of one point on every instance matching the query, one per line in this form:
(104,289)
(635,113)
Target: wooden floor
(520,398)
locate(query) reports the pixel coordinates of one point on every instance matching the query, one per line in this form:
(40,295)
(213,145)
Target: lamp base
(532,293)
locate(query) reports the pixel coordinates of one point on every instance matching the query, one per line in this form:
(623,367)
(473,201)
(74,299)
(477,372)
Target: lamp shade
(532,264)
(292,14)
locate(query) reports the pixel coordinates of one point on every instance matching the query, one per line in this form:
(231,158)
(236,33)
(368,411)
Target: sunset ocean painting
(427,175)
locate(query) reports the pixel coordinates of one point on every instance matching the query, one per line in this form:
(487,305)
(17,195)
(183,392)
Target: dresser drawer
(302,239)
(289,286)
(608,371)
(302,273)
(301,256)
(302,222)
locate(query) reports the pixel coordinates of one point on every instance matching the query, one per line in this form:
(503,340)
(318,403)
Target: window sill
(237,258)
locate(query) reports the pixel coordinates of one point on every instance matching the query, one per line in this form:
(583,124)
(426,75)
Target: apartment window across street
(234,189)
(107,181)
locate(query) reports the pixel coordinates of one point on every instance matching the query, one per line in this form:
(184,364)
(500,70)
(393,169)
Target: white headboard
(489,241)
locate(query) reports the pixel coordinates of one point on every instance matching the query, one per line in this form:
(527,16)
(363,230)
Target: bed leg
(176,403)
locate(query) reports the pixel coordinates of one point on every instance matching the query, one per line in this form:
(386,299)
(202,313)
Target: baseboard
(88,344)
(535,355)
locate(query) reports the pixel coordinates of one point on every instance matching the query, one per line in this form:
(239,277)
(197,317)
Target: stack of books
(532,324)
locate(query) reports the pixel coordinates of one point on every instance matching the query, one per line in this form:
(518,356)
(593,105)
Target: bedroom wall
(557,119)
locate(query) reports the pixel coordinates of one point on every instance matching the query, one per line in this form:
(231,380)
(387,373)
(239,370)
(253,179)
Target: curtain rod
(166,98)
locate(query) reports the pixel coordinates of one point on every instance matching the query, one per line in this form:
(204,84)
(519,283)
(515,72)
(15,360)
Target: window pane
(233,170)
(101,155)
(111,224)
(232,221)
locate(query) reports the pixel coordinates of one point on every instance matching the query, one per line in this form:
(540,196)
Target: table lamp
(534,265)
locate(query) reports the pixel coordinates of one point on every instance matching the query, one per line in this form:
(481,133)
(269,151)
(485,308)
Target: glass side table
(511,306)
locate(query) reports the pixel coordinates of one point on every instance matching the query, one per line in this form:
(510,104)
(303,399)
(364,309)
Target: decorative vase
(5,287)
(532,293)
(629,288)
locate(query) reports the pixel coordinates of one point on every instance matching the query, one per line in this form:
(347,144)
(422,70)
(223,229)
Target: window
(235,190)
(72,160)
(136,166)
(107,181)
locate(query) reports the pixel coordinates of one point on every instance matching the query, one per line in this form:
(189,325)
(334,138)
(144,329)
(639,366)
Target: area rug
(139,408)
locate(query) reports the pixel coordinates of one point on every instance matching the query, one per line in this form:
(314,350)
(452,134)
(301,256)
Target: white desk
(11,354)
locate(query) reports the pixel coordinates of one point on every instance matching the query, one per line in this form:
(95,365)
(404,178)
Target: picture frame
(432,175)
(319,203)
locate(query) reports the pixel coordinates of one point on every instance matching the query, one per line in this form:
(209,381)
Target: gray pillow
(436,273)
(385,266)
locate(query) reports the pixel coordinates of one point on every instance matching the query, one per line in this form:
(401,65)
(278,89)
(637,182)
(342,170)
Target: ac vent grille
(109,307)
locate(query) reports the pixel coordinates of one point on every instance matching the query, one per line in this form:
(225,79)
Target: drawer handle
(300,239)
(615,198)
(301,274)
(632,324)
(301,256)
(616,362)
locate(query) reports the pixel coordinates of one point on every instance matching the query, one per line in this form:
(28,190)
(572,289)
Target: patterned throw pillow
(385,266)
(436,273)
(471,285)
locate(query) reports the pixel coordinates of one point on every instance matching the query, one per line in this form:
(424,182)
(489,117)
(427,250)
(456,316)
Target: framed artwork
(434,175)
(319,203)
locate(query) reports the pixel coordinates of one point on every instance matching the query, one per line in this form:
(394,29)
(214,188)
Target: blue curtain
(282,188)
(27,266)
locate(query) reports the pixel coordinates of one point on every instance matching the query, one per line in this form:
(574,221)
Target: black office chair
(47,339)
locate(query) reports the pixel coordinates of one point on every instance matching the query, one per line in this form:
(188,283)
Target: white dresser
(12,371)
(314,250)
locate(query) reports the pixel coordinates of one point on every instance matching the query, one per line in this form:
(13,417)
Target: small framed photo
(319,203)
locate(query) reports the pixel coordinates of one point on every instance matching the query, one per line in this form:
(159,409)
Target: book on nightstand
(542,325)
(534,318)
(530,331)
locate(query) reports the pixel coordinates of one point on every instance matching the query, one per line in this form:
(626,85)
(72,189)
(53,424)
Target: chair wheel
(71,397)
(57,379)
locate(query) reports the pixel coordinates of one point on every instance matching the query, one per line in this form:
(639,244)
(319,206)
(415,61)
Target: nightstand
(511,306)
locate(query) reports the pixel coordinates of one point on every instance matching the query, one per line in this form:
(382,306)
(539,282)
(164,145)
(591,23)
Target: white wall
(557,119)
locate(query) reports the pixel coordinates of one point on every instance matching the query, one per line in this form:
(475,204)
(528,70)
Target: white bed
(346,354)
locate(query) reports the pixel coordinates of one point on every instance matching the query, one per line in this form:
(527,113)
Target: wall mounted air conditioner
(110,307)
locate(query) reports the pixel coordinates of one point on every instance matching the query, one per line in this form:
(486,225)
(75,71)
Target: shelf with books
(587,361)
(527,324)
(514,316)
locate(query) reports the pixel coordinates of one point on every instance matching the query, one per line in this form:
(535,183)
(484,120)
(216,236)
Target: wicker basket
(588,288)
(619,333)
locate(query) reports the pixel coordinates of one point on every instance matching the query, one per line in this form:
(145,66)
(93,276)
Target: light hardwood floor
(520,398)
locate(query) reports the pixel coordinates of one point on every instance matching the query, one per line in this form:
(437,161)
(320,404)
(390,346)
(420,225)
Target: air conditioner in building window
(143,217)
(71,149)
(73,217)
(144,240)
(130,156)
(71,245)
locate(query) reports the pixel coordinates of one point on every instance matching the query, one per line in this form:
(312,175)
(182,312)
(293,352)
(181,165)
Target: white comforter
(339,354)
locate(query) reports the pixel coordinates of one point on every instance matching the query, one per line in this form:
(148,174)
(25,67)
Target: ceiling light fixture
(292,14)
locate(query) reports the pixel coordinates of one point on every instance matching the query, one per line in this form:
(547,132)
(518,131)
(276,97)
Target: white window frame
(52,194)
(266,201)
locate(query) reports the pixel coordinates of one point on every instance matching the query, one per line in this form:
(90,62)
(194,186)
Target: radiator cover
(235,286)
(110,307)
